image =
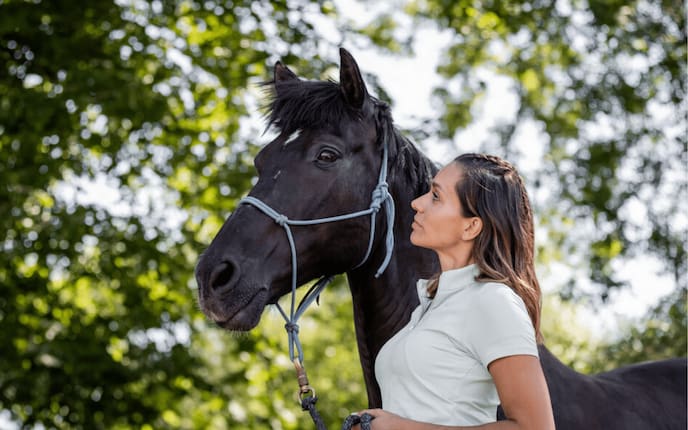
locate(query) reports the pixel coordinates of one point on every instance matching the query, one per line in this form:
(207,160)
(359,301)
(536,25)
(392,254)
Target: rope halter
(380,198)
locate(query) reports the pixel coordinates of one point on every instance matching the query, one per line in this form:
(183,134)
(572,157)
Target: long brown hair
(491,189)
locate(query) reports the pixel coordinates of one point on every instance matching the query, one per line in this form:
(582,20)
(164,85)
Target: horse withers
(325,162)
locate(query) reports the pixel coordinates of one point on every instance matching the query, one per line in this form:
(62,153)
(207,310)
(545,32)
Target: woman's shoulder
(492,289)
(495,295)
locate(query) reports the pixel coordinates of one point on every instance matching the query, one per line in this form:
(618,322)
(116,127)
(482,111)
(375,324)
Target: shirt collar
(450,281)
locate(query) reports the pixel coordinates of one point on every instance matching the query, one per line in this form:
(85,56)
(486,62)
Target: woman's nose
(415,204)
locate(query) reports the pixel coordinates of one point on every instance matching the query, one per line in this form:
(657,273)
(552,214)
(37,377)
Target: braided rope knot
(292,327)
(281,220)
(380,194)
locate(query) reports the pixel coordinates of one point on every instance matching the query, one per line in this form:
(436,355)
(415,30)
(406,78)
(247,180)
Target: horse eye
(327,156)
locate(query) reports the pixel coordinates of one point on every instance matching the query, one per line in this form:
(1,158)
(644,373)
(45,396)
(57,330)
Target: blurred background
(127,136)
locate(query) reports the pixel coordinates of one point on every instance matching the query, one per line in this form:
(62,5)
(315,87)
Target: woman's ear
(472,229)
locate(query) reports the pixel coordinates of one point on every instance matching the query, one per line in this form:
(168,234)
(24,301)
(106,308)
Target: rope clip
(304,388)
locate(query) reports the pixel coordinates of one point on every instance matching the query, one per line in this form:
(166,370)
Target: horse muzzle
(228,300)
(241,312)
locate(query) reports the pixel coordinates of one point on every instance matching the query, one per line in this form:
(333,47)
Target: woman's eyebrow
(436,185)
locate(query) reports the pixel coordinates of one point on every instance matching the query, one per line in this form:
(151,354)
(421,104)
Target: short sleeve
(501,325)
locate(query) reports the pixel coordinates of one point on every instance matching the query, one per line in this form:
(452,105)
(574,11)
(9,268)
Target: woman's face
(439,223)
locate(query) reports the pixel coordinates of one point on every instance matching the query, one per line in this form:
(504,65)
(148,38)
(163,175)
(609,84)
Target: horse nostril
(223,276)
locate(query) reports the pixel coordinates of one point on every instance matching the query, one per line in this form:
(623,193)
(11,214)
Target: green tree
(604,82)
(661,334)
(99,323)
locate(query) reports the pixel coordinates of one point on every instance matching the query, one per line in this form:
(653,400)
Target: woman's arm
(522,391)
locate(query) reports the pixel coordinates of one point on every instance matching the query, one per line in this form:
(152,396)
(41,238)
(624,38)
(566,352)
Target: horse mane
(297,104)
(405,157)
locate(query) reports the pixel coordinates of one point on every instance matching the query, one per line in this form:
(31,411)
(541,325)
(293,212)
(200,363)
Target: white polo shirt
(435,369)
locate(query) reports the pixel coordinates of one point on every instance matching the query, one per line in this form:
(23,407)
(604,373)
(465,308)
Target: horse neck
(382,306)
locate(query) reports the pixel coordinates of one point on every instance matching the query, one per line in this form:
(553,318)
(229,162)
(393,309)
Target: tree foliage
(604,83)
(662,334)
(150,99)
(99,323)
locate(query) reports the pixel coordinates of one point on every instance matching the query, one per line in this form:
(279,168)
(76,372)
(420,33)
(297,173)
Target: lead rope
(380,197)
(353,419)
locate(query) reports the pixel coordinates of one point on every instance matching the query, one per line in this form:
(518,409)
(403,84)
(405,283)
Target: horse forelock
(297,104)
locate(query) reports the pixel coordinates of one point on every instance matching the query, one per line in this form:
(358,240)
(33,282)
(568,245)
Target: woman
(472,342)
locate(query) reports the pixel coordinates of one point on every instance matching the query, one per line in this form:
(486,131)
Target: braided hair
(492,190)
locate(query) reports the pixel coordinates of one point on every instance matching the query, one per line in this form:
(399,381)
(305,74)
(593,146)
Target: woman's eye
(435,196)
(327,156)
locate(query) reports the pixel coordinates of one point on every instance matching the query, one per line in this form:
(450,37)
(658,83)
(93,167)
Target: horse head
(323,163)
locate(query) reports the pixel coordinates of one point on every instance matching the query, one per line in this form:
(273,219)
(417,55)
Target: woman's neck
(454,260)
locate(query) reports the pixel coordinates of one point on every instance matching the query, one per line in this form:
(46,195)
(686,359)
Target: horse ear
(350,80)
(282,73)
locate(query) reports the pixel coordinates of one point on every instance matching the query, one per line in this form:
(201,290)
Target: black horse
(324,163)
